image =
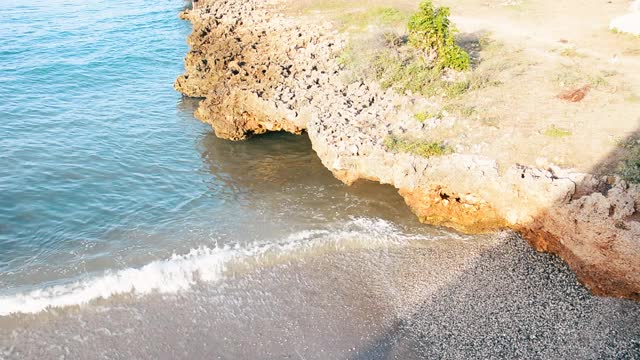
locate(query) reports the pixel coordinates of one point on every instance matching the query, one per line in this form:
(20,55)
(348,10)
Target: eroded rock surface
(260,71)
(256,71)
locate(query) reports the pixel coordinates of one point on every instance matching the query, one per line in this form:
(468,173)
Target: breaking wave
(208,264)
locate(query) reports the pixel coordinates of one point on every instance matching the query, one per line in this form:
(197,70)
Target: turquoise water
(88,119)
(94,142)
(104,168)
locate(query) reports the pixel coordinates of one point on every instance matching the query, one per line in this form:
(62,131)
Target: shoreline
(259,70)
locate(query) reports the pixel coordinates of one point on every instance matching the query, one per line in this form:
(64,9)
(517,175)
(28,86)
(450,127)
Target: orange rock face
(602,252)
(463,212)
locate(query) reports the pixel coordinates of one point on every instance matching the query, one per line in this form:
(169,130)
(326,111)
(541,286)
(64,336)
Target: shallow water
(104,170)
(127,230)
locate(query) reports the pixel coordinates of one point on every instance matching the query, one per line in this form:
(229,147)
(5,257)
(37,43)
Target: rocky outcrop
(260,71)
(253,68)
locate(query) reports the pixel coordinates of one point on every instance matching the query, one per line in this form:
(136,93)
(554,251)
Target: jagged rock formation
(253,69)
(259,71)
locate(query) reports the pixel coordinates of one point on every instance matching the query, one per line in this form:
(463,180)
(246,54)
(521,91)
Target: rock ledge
(260,71)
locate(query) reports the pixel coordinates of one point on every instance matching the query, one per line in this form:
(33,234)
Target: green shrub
(631,169)
(417,147)
(431,30)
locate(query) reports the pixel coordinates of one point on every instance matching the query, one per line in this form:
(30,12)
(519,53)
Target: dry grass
(556,132)
(422,148)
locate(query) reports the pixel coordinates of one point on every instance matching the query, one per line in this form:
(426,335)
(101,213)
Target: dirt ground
(534,52)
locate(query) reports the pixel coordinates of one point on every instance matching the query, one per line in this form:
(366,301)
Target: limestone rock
(259,71)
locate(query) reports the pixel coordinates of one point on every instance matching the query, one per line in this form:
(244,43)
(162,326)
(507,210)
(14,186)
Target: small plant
(431,31)
(457,88)
(388,15)
(460,110)
(556,132)
(360,20)
(346,57)
(424,116)
(422,148)
(406,73)
(570,52)
(631,169)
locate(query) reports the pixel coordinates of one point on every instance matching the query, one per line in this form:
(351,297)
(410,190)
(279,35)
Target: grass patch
(568,77)
(378,16)
(598,81)
(460,110)
(571,53)
(422,148)
(573,76)
(347,57)
(513,5)
(632,98)
(455,89)
(330,7)
(424,116)
(556,132)
(408,72)
(621,33)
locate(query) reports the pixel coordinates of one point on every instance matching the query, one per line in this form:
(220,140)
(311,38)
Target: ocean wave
(206,265)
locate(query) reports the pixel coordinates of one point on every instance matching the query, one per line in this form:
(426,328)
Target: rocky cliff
(258,70)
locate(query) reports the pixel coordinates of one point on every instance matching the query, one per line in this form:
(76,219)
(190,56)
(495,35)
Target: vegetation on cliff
(629,168)
(431,30)
(424,59)
(422,148)
(378,15)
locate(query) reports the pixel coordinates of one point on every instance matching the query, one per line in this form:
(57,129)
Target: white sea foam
(181,272)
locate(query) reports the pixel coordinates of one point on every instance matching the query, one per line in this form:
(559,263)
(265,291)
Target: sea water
(128,230)
(106,177)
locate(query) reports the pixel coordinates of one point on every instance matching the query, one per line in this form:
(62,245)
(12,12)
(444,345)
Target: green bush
(631,169)
(431,30)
